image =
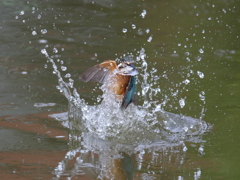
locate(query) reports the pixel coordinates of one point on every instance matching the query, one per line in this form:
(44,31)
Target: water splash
(137,124)
(139,132)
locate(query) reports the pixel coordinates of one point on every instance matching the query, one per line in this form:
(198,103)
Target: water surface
(188,109)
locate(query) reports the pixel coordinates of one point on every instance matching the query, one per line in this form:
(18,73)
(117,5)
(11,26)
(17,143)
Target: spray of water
(136,124)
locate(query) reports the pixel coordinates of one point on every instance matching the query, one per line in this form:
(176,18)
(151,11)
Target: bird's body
(119,79)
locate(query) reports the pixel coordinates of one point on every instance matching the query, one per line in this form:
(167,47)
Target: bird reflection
(120,80)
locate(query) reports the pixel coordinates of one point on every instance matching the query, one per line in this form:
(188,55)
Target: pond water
(185,126)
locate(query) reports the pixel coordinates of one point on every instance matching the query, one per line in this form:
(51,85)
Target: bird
(119,79)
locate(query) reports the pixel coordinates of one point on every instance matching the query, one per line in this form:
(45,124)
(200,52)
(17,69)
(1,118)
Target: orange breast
(119,84)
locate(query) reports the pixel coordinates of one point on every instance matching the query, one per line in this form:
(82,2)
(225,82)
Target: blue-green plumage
(130,95)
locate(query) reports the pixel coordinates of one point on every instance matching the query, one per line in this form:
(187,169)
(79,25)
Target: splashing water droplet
(186,81)
(149,39)
(42,41)
(201,51)
(21,13)
(71,81)
(140,32)
(133,26)
(55,50)
(185,148)
(185,129)
(147,31)
(67,75)
(124,30)
(43,31)
(201,149)
(43,51)
(34,33)
(202,95)
(64,68)
(200,74)
(199,58)
(143,14)
(182,103)
(180,178)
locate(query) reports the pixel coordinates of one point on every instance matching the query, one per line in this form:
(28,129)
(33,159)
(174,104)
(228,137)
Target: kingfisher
(119,79)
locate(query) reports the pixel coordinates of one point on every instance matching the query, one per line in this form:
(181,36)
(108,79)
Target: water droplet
(186,81)
(197,175)
(201,149)
(43,51)
(42,41)
(147,30)
(199,58)
(180,178)
(149,39)
(71,81)
(67,75)
(179,44)
(143,14)
(185,148)
(21,13)
(182,103)
(124,30)
(140,32)
(34,33)
(43,31)
(55,50)
(203,31)
(39,16)
(24,72)
(133,26)
(16,17)
(201,51)
(202,97)
(45,66)
(200,74)
(64,68)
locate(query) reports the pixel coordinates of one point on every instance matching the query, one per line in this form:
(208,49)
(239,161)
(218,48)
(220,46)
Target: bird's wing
(99,73)
(130,95)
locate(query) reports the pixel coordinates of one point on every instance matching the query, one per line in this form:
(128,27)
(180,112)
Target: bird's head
(127,68)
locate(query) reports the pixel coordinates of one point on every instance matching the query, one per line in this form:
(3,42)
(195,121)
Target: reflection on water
(95,157)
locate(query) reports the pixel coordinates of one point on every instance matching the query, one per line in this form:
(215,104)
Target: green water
(197,40)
